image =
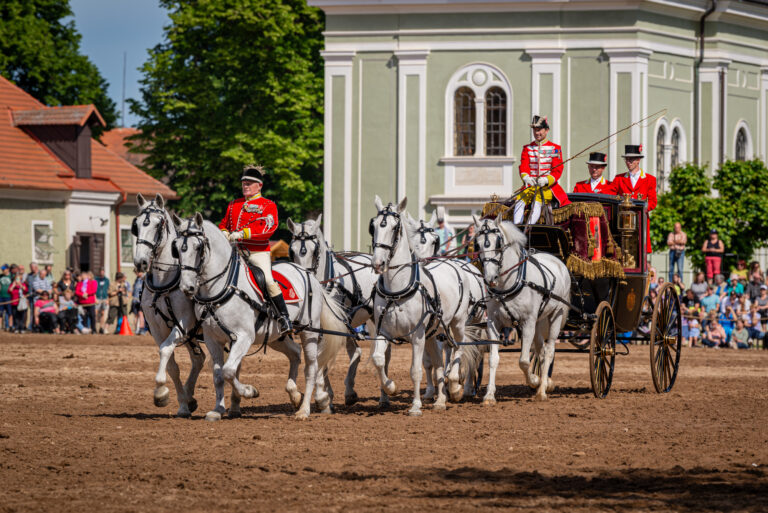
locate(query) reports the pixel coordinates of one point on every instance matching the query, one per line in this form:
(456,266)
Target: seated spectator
(734,285)
(653,282)
(694,332)
(699,286)
(720,285)
(41,284)
(740,271)
(743,302)
(67,312)
(755,273)
(762,303)
(45,313)
(754,325)
(660,281)
(739,337)
(728,301)
(727,320)
(711,301)
(714,335)
(678,283)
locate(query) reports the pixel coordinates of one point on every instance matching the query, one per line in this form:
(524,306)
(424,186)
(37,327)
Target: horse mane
(212,232)
(514,235)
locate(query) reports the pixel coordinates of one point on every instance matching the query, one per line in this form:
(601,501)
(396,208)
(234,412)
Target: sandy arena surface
(79,432)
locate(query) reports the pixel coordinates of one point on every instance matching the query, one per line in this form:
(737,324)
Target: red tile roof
(65,115)
(115,141)
(25,163)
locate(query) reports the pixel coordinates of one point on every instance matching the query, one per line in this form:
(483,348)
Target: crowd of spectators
(77,303)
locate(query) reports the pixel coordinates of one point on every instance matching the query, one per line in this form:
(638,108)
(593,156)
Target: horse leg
(166,349)
(527,331)
(454,374)
(538,349)
(217,357)
(234,411)
(310,374)
(417,345)
(231,369)
(198,360)
(434,351)
(380,360)
(354,351)
(383,397)
(546,355)
(429,392)
(292,351)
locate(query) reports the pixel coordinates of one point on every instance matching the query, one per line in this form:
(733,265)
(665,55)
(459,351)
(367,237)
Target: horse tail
(332,319)
(472,356)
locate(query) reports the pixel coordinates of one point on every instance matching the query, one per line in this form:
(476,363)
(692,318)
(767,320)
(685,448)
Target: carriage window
(741,145)
(660,169)
(464,121)
(675,154)
(495,122)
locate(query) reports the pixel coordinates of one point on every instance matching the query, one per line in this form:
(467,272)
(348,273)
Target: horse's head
(191,248)
(385,229)
(422,237)
(492,238)
(305,243)
(151,231)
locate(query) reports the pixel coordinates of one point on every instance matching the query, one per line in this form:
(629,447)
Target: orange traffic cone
(125,326)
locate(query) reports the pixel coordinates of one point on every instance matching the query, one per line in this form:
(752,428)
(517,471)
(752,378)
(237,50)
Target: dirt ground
(79,432)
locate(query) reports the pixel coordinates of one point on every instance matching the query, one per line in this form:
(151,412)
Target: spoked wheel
(666,338)
(602,351)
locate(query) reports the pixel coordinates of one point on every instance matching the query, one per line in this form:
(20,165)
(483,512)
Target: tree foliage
(40,52)
(236,82)
(739,212)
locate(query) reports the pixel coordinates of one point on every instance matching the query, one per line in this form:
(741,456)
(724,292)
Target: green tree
(236,82)
(739,213)
(40,52)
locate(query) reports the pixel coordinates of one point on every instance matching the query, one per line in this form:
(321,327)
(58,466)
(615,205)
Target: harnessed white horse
(348,277)
(527,291)
(168,312)
(411,303)
(214,274)
(460,369)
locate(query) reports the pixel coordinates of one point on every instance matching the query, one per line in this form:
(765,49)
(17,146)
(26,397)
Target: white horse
(529,291)
(349,278)
(463,365)
(215,275)
(168,312)
(411,303)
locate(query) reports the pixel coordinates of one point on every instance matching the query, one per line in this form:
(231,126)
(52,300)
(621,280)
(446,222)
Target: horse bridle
(203,247)
(146,211)
(486,231)
(423,231)
(386,212)
(303,236)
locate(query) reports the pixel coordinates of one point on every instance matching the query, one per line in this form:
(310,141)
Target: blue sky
(111,27)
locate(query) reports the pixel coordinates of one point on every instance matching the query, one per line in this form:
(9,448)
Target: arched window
(661,172)
(674,158)
(464,121)
(741,145)
(495,122)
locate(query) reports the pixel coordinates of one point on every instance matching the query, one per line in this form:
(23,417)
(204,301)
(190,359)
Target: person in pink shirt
(46,310)
(86,297)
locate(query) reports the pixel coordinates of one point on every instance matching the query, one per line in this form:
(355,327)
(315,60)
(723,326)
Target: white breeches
(263,260)
(519,212)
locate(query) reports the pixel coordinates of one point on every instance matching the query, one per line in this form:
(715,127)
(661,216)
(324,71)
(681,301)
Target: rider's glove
(235,236)
(543,181)
(529,181)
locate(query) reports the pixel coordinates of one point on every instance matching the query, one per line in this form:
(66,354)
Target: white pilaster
(411,63)
(632,60)
(338,64)
(709,71)
(547,61)
(762,135)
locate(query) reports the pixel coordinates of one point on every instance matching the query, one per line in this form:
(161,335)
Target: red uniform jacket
(252,217)
(544,160)
(603,187)
(644,190)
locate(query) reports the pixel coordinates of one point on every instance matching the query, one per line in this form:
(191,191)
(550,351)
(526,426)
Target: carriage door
(87,252)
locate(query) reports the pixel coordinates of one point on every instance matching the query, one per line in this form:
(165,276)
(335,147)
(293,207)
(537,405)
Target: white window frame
(49,224)
(468,76)
(666,158)
(124,262)
(682,150)
(749,153)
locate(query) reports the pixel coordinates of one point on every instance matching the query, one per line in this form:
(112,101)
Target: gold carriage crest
(631,298)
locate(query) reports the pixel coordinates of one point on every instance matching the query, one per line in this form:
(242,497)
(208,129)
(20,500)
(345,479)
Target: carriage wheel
(666,339)
(602,351)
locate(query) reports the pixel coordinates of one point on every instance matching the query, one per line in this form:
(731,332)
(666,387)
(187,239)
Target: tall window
(661,172)
(42,241)
(495,122)
(741,145)
(464,121)
(126,247)
(674,159)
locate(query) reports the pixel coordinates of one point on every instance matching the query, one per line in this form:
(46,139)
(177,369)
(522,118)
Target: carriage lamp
(627,221)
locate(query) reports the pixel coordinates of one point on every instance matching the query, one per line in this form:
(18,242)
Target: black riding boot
(283,321)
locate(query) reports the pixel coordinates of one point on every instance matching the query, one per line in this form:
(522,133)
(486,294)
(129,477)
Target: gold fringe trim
(582,209)
(604,268)
(492,209)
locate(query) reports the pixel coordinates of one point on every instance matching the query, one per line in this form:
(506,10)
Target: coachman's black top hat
(597,158)
(252,173)
(539,122)
(633,151)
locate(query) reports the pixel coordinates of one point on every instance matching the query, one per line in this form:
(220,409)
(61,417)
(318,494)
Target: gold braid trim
(581,208)
(604,268)
(492,209)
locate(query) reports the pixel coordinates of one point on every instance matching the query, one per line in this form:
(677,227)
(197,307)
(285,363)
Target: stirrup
(284,325)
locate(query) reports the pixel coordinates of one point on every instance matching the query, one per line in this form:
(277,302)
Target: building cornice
(94,198)
(338,57)
(50,196)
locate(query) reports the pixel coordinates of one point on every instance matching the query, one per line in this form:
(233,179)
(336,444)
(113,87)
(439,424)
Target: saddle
(259,284)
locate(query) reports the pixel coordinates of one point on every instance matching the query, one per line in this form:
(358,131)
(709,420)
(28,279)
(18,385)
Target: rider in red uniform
(250,221)
(638,183)
(597,183)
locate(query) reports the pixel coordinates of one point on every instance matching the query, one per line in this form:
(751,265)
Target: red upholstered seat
(289,293)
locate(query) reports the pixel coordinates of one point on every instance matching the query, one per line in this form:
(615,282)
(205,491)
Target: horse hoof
(192,405)
(212,416)
(183,414)
(301,416)
(351,399)
(390,388)
(489,401)
(383,405)
(550,386)
(541,397)
(161,396)
(328,410)
(439,406)
(251,392)
(414,413)
(236,414)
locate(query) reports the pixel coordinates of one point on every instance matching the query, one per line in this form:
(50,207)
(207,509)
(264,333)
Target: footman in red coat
(597,183)
(636,182)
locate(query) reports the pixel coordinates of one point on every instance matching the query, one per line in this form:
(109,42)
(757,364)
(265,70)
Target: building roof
(26,163)
(116,141)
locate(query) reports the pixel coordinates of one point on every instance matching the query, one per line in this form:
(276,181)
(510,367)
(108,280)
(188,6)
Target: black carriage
(609,294)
